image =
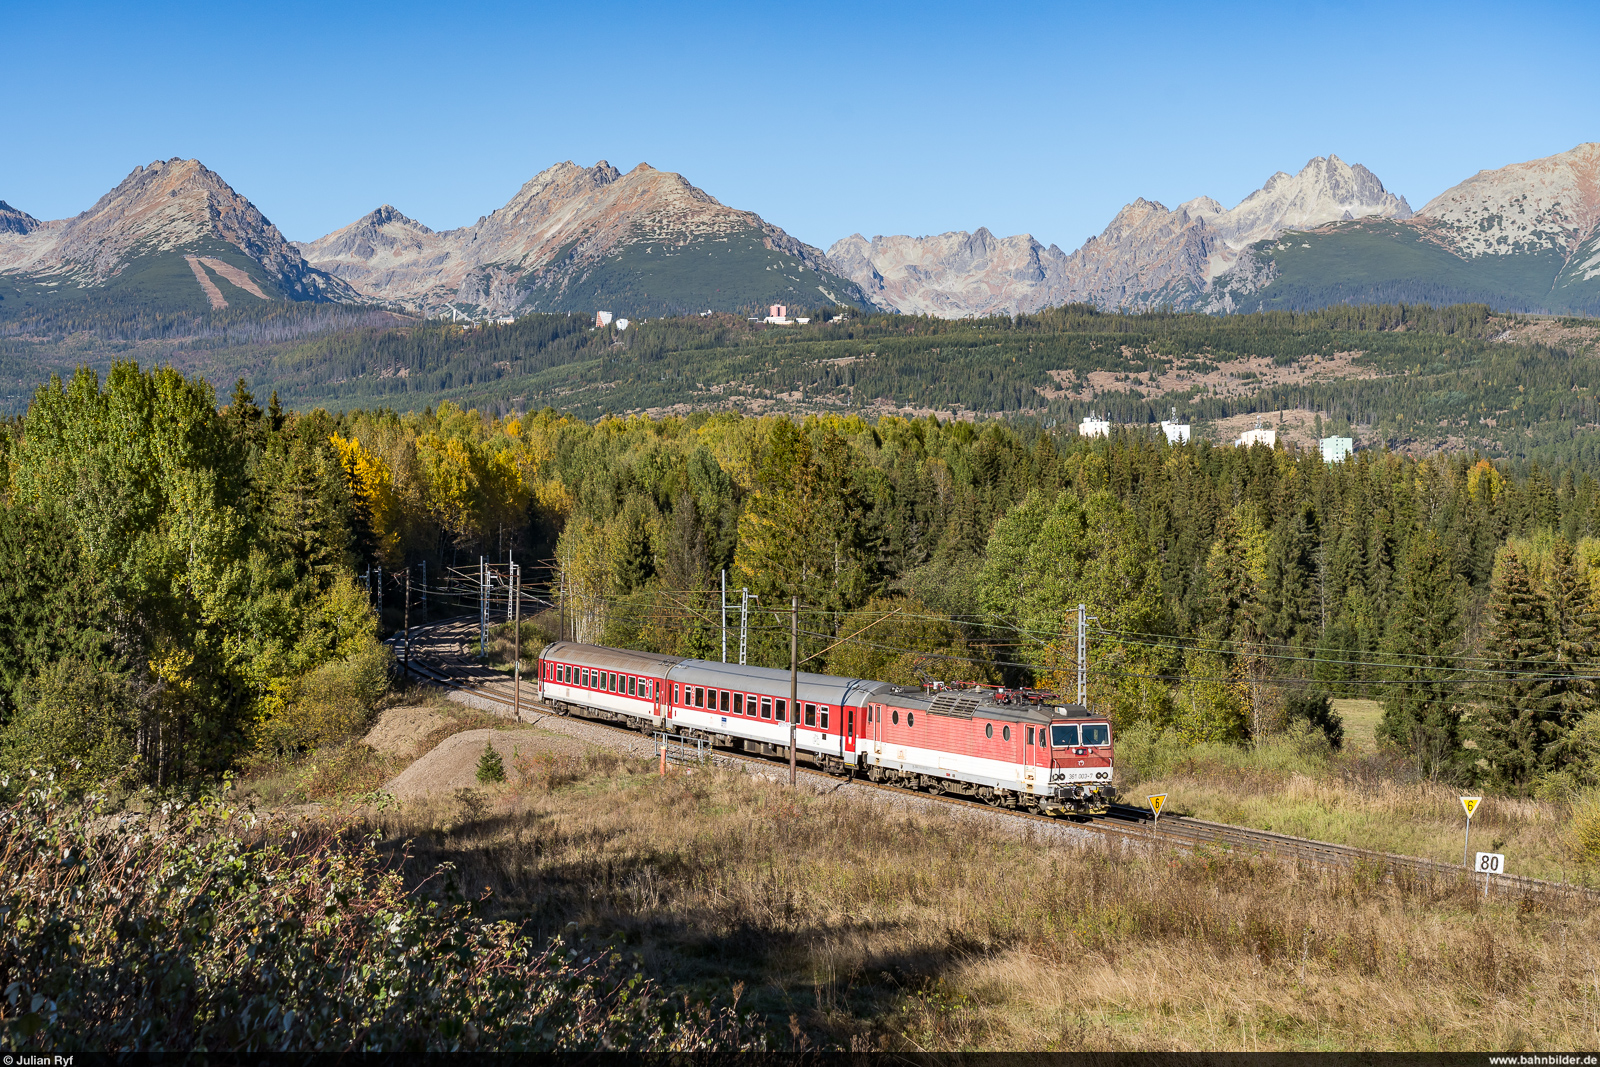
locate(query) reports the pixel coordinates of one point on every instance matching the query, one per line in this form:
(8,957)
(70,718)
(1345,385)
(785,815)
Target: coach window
(699,696)
(811,715)
(1005,733)
(738,703)
(633,686)
(824,717)
(724,700)
(783,710)
(766,707)
(988,729)
(674,692)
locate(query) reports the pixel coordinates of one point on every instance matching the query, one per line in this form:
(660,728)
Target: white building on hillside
(777,315)
(602,318)
(1093,427)
(1257,436)
(1177,432)
(1337,449)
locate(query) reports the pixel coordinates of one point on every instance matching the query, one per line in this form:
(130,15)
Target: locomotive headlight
(1102,774)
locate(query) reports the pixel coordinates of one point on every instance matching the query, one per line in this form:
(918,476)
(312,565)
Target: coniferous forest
(188,577)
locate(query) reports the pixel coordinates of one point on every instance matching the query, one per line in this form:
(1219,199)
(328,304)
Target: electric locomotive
(990,744)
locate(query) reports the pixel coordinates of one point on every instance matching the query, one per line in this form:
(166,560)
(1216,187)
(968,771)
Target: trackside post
(1471,805)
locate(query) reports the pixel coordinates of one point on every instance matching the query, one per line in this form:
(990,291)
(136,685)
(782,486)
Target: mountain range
(1522,238)
(173,237)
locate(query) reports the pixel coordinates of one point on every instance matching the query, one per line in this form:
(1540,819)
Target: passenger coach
(994,745)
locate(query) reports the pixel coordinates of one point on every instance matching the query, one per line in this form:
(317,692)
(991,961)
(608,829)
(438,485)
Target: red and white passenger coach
(998,746)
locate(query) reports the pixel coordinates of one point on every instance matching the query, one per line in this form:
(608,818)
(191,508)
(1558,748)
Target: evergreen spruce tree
(1512,724)
(1575,637)
(1421,711)
(491,768)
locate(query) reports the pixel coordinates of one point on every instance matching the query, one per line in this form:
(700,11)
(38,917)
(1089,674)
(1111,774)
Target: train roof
(970,703)
(820,688)
(616,659)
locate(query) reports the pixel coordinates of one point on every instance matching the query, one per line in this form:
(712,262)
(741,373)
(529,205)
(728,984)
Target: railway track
(431,660)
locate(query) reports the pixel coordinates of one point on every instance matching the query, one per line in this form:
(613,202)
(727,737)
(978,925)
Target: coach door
(851,713)
(656,686)
(1029,747)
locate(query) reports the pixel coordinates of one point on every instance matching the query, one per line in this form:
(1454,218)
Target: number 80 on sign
(1490,863)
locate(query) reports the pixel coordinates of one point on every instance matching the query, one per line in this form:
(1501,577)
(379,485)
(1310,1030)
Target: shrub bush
(1583,832)
(205,933)
(75,720)
(1316,711)
(333,701)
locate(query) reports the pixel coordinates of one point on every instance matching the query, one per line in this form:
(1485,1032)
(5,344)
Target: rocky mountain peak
(1327,189)
(386,214)
(1544,204)
(163,207)
(559,225)
(14,221)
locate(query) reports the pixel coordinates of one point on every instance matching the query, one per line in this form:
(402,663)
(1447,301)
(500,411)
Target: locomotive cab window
(1064,735)
(1096,733)
(1030,735)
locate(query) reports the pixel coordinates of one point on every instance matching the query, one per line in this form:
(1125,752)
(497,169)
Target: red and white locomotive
(988,744)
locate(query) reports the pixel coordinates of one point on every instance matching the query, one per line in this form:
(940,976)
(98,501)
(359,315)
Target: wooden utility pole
(516,638)
(408,620)
(794,681)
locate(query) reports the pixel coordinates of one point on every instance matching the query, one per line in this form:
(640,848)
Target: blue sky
(827,118)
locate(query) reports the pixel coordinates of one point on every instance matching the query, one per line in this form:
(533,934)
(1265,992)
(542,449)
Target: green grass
(1361,718)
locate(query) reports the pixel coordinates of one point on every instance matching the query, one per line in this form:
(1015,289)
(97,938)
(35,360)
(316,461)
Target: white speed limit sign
(1490,863)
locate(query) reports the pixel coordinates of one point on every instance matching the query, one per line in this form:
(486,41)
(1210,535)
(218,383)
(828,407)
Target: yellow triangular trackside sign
(1471,804)
(1156,802)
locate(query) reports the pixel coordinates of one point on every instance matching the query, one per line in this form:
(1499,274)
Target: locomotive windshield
(1064,735)
(1096,733)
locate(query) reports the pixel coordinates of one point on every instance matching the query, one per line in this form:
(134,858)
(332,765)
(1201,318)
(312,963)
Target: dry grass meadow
(1359,796)
(852,928)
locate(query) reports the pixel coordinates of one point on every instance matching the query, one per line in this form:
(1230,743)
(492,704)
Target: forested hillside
(1414,379)
(180,579)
